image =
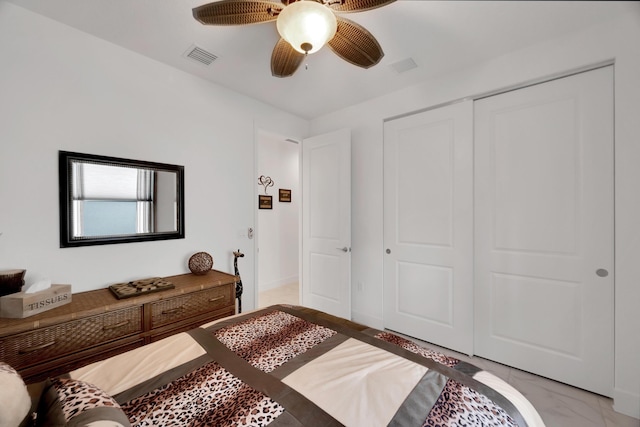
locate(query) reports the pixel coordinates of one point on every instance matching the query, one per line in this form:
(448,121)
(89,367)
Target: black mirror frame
(65,196)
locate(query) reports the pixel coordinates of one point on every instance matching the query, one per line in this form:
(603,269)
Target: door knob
(345,249)
(388,251)
(601,272)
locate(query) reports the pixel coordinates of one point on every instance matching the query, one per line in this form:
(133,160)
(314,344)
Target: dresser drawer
(185,306)
(48,343)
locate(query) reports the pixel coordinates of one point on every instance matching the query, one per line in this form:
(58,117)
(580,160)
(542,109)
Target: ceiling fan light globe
(307,25)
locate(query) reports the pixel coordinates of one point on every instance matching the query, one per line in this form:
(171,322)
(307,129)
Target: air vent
(200,55)
(404,65)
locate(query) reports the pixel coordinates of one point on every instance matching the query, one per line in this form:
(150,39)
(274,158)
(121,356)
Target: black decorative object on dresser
(96,325)
(11,281)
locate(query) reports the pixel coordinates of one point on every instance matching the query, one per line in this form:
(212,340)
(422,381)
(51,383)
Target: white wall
(278,232)
(617,41)
(61,89)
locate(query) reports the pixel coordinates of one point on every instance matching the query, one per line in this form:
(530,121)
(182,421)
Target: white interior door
(326,223)
(544,229)
(428,226)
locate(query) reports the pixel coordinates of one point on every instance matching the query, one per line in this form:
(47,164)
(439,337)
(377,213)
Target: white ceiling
(440,36)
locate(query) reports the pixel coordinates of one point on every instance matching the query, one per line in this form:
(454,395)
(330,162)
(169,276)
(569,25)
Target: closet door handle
(602,272)
(345,249)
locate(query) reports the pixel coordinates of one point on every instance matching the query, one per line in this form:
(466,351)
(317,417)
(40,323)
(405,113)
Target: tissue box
(20,305)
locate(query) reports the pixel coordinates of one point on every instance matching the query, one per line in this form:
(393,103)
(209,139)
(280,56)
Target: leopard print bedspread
(271,340)
(415,348)
(458,405)
(208,396)
(211,395)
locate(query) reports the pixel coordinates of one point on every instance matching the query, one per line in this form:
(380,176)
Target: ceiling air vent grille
(404,65)
(200,55)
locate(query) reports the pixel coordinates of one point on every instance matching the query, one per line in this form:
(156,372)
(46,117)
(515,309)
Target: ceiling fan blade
(237,12)
(356,45)
(358,5)
(285,60)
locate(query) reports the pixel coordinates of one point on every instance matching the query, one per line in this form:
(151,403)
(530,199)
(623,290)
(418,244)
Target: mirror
(105,200)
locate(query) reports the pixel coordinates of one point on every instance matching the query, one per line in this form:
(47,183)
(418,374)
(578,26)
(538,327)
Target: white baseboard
(626,403)
(264,286)
(367,320)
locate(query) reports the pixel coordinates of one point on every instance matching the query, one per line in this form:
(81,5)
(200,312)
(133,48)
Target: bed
(283,366)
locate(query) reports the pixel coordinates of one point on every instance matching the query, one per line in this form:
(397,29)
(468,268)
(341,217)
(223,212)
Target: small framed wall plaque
(285,195)
(264,202)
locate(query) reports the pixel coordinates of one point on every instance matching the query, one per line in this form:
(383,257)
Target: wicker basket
(200,263)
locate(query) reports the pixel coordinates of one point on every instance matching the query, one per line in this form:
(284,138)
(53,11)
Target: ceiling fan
(304,27)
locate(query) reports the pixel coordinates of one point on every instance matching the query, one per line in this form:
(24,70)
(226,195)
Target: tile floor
(287,294)
(559,405)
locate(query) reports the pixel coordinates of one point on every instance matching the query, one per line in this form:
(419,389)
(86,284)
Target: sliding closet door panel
(428,223)
(544,227)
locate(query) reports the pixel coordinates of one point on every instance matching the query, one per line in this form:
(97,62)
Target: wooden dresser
(96,325)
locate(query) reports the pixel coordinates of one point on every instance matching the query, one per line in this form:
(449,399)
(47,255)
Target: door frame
(258,132)
(504,89)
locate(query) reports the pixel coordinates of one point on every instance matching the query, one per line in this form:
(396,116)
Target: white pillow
(15,402)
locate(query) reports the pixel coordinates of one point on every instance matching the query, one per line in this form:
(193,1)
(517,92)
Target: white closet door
(428,226)
(544,229)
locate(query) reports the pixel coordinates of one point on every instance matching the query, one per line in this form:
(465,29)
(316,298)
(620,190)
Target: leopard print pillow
(68,402)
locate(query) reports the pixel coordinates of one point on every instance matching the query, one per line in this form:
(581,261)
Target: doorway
(277,245)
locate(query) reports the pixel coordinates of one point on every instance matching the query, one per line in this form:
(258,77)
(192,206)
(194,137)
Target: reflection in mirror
(111,200)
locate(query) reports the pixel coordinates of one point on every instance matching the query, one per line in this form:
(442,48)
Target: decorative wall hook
(266,182)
